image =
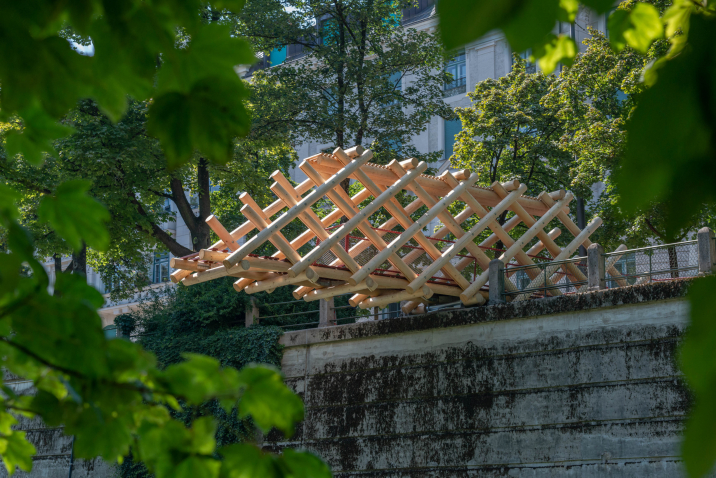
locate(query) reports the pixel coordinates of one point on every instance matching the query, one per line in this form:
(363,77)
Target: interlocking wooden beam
(358,270)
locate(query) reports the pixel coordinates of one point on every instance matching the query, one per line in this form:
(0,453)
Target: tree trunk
(79,261)
(58,270)
(673,262)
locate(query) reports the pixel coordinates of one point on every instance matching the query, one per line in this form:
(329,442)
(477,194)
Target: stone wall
(583,385)
(53,447)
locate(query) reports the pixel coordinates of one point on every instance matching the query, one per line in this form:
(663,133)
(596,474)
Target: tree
(129,174)
(508,133)
(110,394)
(669,153)
(362,79)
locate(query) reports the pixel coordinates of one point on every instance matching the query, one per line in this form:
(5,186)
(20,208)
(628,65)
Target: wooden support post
(398,242)
(337,196)
(537,248)
(458,245)
(252,313)
(326,313)
(381,301)
(533,231)
(396,210)
(281,222)
(312,221)
(277,239)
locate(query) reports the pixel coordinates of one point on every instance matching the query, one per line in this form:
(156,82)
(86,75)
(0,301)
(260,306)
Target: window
(458,70)
(167,205)
(529,66)
(110,332)
(395,79)
(161,267)
(277,56)
(452,128)
(419,7)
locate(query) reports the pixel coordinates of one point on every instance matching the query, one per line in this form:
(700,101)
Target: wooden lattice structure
(378,265)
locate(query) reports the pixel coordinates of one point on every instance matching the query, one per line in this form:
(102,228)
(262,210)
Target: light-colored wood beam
(564,255)
(381,301)
(283,220)
(277,238)
(312,222)
(339,198)
(436,208)
(380,200)
(396,210)
(519,244)
(433,185)
(458,245)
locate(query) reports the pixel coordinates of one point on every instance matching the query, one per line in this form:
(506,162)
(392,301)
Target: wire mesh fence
(651,264)
(544,279)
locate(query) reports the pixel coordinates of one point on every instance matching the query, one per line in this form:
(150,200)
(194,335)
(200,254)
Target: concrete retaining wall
(583,386)
(53,447)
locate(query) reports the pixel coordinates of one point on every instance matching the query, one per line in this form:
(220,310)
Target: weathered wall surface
(574,386)
(53,447)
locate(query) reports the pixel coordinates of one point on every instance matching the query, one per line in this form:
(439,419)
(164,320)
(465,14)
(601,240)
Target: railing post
(496,275)
(707,250)
(326,314)
(252,313)
(595,268)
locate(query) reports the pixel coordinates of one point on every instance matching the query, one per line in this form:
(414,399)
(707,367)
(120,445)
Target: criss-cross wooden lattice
(379,265)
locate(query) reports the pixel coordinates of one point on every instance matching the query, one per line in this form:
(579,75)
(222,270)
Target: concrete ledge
(456,317)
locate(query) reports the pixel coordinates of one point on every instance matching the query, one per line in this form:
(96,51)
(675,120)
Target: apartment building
(488,57)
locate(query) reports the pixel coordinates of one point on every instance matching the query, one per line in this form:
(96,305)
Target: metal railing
(651,264)
(544,279)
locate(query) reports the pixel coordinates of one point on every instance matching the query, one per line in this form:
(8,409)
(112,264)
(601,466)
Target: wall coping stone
(637,294)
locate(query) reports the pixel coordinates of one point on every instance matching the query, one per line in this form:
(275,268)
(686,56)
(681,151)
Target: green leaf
(638,28)
(699,366)
(36,138)
(75,216)
(304,465)
(555,50)
(247,461)
(208,118)
(212,52)
(196,467)
(528,25)
(599,6)
(16,451)
(672,135)
(568,10)
(483,15)
(74,287)
(203,430)
(268,400)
